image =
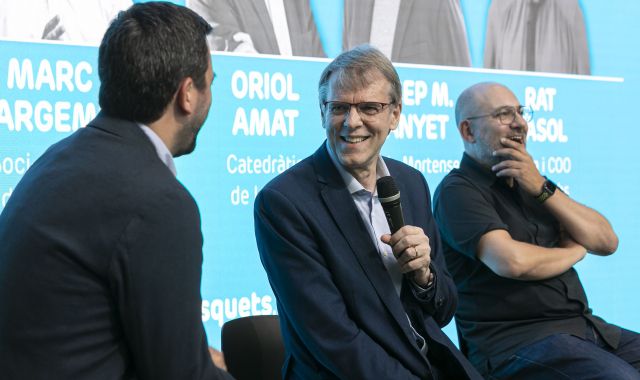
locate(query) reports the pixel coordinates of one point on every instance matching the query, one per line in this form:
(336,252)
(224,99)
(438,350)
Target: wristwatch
(548,189)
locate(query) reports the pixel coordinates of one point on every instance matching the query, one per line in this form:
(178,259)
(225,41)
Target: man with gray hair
(511,240)
(355,300)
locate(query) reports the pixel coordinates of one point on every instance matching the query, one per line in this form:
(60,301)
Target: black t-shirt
(496,315)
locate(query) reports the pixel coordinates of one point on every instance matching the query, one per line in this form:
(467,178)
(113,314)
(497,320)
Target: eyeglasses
(507,115)
(336,108)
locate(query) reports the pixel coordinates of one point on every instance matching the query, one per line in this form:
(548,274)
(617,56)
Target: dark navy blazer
(100,265)
(340,314)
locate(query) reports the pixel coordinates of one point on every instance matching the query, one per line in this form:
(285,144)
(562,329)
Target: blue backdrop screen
(265,117)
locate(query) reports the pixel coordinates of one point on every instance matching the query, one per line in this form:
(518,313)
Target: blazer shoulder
(297,177)
(117,159)
(399,168)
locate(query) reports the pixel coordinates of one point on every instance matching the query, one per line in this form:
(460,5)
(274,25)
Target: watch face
(549,187)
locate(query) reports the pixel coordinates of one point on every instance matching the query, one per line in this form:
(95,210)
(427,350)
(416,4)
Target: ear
(395,115)
(466,132)
(186,97)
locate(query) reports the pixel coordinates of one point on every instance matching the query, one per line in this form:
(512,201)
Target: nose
(519,125)
(352,119)
(519,122)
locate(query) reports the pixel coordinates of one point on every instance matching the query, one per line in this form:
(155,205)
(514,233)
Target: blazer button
(439,302)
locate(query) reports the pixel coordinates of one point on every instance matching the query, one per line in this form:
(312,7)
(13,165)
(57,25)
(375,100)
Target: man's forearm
(585,225)
(523,261)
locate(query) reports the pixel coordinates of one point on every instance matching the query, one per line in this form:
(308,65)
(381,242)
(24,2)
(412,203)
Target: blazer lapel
(401,27)
(407,211)
(345,214)
(261,11)
(357,23)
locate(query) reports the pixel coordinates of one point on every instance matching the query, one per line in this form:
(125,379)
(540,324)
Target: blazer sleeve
(155,279)
(315,308)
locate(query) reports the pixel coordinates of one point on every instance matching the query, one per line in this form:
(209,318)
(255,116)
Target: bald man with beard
(511,240)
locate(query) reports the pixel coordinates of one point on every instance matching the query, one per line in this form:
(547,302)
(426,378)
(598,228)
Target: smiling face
(355,138)
(486,132)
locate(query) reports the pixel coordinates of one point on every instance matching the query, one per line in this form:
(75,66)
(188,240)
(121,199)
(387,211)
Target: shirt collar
(352,184)
(161,149)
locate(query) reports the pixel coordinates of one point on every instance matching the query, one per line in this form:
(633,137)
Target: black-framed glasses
(337,108)
(507,114)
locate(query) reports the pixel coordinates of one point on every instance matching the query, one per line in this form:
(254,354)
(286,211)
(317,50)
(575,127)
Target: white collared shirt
(383,25)
(372,214)
(161,149)
(278,16)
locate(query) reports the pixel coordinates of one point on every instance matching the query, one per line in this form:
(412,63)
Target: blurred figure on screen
(511,240)
(101,254)
(281,27)
(355,301)
(409,31)
(64,20)
(537,35)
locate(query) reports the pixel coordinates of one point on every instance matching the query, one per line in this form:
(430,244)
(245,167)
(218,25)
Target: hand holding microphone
(409,243)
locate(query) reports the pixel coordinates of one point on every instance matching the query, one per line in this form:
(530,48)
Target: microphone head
(387,188)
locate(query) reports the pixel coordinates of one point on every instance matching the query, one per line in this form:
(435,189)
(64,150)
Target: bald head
(472,100)
(480,127)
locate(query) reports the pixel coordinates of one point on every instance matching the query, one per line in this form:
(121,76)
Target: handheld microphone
(389,197)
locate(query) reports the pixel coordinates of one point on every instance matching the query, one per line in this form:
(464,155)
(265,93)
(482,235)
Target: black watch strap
(548,189)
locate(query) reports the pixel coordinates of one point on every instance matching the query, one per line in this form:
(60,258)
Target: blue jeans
(564,356)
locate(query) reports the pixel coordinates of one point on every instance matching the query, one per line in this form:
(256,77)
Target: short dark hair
(145,53)
(354,67)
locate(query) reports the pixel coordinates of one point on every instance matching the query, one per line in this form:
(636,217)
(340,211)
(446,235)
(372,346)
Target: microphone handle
(393,212)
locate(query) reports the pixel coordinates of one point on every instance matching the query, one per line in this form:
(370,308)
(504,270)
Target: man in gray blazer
(101,253)
(410,31)
(281,27)
(537,35)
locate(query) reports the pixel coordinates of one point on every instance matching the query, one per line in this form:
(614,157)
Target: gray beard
(485,157)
